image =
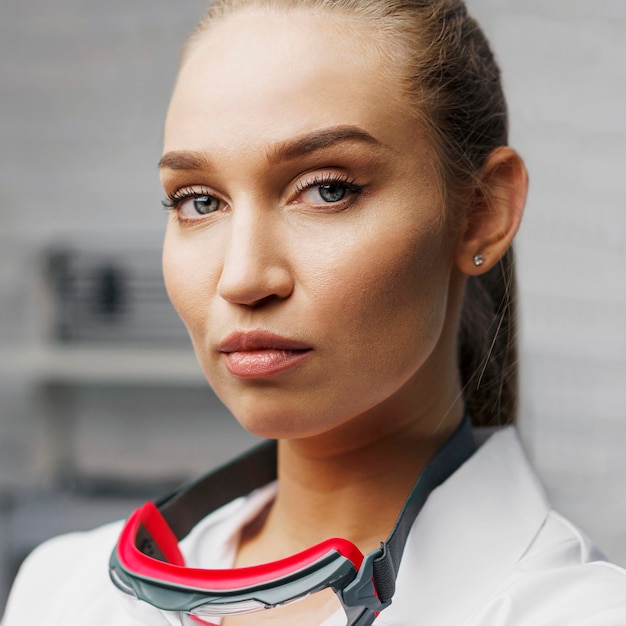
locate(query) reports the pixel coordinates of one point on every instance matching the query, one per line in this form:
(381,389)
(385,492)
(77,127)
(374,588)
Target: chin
(276,427)
(279,422)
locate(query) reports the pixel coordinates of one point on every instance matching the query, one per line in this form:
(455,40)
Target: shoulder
(488,550)
(561,579)
(66,578)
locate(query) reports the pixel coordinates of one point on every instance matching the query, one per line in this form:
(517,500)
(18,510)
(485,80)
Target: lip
(261,353)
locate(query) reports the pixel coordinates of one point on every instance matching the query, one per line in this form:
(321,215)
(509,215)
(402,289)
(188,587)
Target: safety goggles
(331,583)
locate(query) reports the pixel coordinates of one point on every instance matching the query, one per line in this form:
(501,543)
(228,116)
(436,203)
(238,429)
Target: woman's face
(306,250)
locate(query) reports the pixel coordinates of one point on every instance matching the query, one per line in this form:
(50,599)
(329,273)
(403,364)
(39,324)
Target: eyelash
(329,179)
(173,201)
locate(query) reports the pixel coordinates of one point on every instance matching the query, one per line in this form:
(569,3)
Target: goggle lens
(321,607)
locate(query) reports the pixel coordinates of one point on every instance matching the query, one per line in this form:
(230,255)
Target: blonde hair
(453,83)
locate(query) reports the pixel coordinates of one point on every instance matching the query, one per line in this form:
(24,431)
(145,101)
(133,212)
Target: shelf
(102,366)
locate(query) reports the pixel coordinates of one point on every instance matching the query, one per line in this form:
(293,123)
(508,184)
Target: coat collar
(473,529)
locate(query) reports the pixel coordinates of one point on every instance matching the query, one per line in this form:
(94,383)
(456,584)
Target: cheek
(389,271)
(187,279)
(390,298)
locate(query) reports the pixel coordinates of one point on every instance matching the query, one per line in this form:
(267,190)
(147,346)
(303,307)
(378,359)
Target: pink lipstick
(261,353)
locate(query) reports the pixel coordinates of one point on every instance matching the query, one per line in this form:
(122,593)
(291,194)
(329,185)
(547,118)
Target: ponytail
(488,347)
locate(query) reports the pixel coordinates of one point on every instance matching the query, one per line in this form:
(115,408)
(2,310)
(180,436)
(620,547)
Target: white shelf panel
(99,365)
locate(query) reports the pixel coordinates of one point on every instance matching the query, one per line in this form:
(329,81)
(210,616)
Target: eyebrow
(319,139)
(184,160)
(282,151)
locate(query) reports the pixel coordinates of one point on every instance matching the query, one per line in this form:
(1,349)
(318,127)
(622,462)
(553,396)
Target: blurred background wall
(83,90)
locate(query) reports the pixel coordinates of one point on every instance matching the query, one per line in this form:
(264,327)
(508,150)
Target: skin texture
(372,284)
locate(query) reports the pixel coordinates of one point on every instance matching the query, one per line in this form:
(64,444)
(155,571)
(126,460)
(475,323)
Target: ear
(494,214)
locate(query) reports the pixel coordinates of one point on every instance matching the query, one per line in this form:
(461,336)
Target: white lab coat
(486,550)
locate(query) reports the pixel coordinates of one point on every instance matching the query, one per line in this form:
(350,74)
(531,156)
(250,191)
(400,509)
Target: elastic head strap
(194,500)
(375,583)
(443,464)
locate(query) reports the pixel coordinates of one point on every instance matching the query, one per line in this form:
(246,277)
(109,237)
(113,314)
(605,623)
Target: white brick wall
(564,64)
(83,90)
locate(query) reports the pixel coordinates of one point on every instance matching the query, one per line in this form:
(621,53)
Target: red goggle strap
(149,519)
(149,533)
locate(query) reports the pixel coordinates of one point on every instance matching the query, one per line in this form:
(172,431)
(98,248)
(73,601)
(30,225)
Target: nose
(255,268)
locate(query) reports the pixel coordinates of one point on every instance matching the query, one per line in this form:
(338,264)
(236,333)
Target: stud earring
(478,260)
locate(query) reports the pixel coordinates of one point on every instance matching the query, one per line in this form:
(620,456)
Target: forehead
(264,75)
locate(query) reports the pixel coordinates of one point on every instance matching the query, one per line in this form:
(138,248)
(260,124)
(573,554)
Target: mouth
(261,353)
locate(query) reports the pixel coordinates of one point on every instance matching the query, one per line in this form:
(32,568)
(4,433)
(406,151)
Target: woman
(342,205)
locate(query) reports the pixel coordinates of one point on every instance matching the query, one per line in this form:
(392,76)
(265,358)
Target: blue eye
(190,203)
(200,205)
(328,189)
(333,192)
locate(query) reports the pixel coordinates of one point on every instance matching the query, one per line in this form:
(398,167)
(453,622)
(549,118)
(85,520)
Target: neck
(346,486)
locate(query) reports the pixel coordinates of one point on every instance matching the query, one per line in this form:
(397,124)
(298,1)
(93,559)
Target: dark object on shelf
(115,296)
